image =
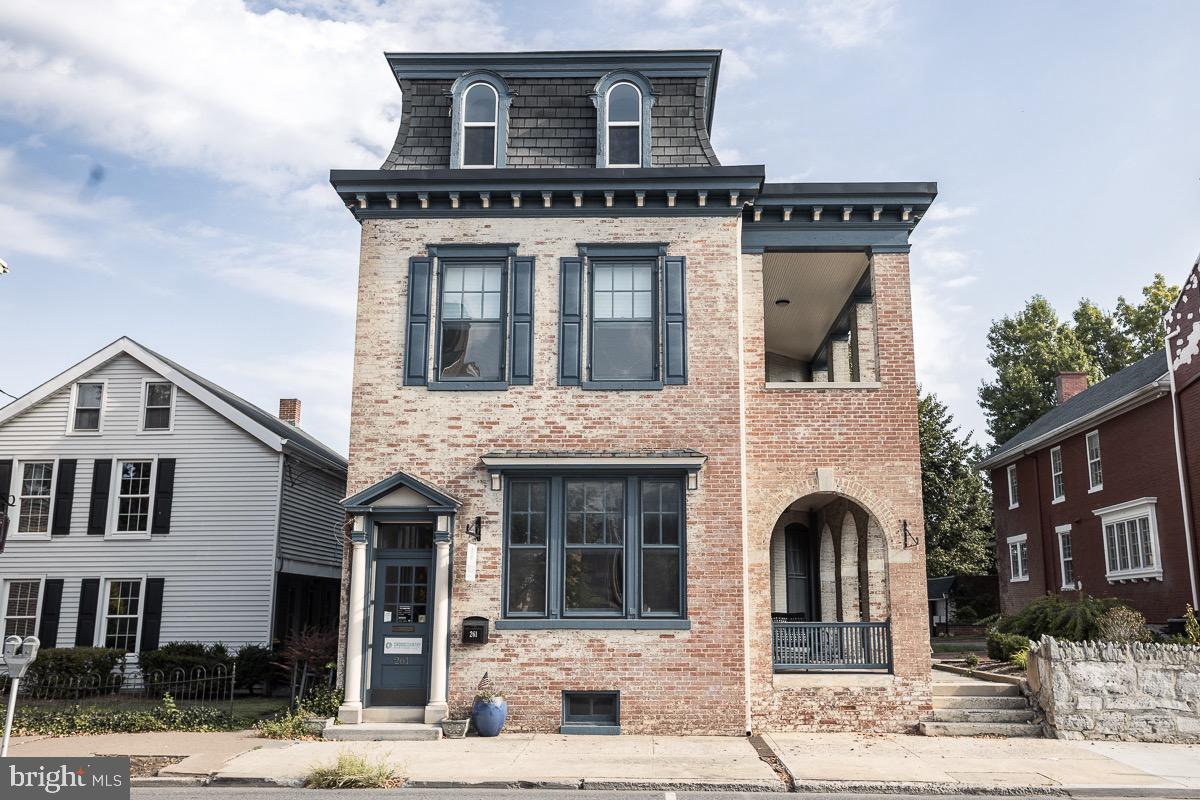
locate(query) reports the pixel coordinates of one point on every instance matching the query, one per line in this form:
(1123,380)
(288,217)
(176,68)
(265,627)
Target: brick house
(633,431)
(1088,497)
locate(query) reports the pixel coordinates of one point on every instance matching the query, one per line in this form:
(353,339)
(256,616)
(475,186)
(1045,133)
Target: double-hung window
(21,598)
(580,547)
(122,607)
(1131,549)
(624,331)
(1066,556)
(1014,498)
(471,330)
(1018,558)
(88,401)
(1095,470)
(1057,489)
(134,484)
(34,497)
(156,413)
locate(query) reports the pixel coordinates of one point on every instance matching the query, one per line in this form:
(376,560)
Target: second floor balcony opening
(819,319)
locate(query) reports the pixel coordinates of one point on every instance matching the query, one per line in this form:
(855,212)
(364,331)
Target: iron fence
(204,686)
(831,645)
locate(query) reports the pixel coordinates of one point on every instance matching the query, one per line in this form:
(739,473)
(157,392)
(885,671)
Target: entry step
(383,732)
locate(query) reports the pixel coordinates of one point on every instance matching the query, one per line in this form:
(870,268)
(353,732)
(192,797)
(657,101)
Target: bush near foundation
(57,666)
(1003,646)
(1074,620)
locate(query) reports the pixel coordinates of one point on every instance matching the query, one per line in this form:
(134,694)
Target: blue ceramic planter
(488,716)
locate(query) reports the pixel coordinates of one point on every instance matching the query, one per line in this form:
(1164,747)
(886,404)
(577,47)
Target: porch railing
(831,645)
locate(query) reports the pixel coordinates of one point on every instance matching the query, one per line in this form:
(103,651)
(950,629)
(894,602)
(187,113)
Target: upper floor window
(624,341)
(37,482)
(1014,498)
(1131,549)
(471,331)
(1018,558)
(1095,470)
(157,410)
(1066,556)
(480,110)
(88,400)
(624,125)
(1056,475)
(134,482)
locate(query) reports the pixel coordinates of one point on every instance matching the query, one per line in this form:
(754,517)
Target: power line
(13,396)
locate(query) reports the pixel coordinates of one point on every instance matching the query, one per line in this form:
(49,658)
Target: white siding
(310,525)
(217,561)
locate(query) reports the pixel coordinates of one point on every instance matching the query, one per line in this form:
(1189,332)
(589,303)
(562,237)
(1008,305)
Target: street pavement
(229,793)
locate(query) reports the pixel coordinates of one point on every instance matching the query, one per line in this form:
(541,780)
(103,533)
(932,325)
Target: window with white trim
(135,480)
(21,598)
(1131,549)
(624,114)
(122,614)
(89,398)
(1018,558)
(1057,488)
(1014,498)
(1095,470)
(156,415)
(481,107)
(1066,557)
(34,496)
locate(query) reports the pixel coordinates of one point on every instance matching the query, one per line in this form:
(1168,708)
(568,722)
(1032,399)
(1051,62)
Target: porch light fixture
(909,539)
(783,301)
(443,523)
(475,530)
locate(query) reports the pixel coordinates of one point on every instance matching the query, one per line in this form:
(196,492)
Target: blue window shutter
(570,320)
(416,338)
(520,367)
(674,320)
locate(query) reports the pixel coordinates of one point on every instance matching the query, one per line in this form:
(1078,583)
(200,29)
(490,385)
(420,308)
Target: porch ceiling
(818,285)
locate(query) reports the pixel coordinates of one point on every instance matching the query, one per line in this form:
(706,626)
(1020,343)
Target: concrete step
(980,702)
(1002,729)
(976,689)
(383,732)
(982,715)
(394,714)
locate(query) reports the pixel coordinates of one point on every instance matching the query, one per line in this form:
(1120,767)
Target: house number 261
(399,660)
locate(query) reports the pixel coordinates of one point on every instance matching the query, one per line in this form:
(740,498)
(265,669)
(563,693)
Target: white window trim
(1010,475)
(103,407)
(609,124)
(1057,498)
(14,533)
(145,398)
(1123,512)
(1062,566)
(1013,540)
(114,505)
(37,614)
(1087,451)
(494,125)
(102,617)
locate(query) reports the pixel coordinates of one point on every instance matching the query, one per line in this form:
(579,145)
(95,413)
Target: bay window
(1131,549)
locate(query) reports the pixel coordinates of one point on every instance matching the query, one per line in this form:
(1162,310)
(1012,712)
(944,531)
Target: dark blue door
(403,618)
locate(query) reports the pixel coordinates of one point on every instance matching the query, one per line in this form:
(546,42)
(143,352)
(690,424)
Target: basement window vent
(597,713)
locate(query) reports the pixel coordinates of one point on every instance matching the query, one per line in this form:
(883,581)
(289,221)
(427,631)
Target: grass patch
(352,771)
(974,646)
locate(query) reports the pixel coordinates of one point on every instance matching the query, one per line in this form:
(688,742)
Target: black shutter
(98,508)
(6,468)
(416,339)
(674,320)
(520,369)
(164,490)
(85,626)
(152,614)
(51,605)
(64,497)
(570,320)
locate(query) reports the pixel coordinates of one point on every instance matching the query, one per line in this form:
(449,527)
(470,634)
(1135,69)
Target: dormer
(479,102)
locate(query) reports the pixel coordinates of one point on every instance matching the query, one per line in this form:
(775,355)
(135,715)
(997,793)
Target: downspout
(1185,493)
(741,346)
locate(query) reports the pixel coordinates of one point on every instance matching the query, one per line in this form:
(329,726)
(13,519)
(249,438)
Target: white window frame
(14,532)
(146,398)
(75,396)
(1123,512)
(494,125)
(37,613)
(110,531)
(106,582)
(1099,460)
(1016,542)
(1014,490)
(1063,532)
(1058,485)
(609,124)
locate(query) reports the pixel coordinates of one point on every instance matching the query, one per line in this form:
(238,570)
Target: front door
(797,563)
(403,618)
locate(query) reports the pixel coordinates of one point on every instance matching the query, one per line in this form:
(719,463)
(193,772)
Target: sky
(164,165)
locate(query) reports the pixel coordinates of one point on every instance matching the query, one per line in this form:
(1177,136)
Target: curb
(163,781)
(265,783)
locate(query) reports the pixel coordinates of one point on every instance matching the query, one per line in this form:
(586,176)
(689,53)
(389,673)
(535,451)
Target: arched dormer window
(623,101)
(480,110)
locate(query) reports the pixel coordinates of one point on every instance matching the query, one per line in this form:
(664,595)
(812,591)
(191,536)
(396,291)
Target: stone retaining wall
(1104,690)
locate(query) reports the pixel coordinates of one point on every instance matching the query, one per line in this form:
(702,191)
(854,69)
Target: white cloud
(841,25)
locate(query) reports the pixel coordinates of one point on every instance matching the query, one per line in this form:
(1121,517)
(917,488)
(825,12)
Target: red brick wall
(1188,399)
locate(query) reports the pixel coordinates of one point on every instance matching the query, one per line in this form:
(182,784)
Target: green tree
(1027,351)
(1101,336)
(958,506)
(1142,323)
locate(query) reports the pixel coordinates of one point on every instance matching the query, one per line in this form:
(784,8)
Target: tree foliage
(957,502)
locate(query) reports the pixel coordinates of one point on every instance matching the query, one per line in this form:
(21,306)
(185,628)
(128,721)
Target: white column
(352,707)
(437,708)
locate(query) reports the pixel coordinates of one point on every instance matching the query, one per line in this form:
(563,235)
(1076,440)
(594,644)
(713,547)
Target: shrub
(186,656)
(352,771)
(61,664)
(1001,646)
(1123,625)
(1053,615)
(312,646)
(75,720)
(256,665)
(288,725)
(1191,626)
(1020,658)
(971,661)
(965,615)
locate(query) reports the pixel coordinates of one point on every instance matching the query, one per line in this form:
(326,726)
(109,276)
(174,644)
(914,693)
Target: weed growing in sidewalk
(352,771)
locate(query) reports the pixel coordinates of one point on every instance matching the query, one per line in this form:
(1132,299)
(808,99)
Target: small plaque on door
(395,645)
(404,614)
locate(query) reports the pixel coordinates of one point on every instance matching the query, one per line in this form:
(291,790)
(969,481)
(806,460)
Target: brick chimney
(1066,386)
(289,409)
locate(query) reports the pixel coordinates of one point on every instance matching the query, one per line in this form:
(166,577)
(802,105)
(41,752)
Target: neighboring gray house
(149,505)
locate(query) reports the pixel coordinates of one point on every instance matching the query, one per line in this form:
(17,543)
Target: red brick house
(632,430)
(1088,496)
